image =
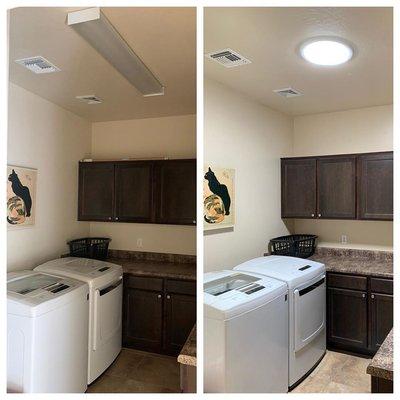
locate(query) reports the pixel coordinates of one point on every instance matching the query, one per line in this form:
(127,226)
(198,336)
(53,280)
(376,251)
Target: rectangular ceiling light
(95,28)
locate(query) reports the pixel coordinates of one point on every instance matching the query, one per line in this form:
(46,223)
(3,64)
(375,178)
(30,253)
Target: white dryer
(307,308)
(245,333)
(47,326)
(105,306)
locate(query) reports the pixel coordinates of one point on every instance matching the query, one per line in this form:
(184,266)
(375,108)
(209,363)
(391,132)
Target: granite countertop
(360,262)
(158,269)
(188,353)
(381,365)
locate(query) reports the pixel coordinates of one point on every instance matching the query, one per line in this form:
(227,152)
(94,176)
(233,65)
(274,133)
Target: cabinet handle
(372,296)
(319,215)
(109,218)
(312,215)
(168,296)
(363,295)
(116,218)
(159,296)
(194,221)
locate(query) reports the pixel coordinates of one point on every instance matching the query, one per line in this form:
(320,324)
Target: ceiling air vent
(228,58)
(90,99)
(38,65)
(288,92)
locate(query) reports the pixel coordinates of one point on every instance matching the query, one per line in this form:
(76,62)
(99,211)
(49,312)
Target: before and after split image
(123,162)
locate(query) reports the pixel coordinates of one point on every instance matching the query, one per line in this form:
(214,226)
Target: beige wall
(173,137)
(352,131)
(44,136)
(242,134)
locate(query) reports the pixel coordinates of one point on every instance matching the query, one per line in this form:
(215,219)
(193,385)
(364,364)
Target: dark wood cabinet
(347,323)
(337,187)
(96,192)
(134,191)
(143,327)
(151,191)
(176,192)
(158,314)
(180,318)
(381,318)
(298,188)
(359,312)
(375,187)
(353,186)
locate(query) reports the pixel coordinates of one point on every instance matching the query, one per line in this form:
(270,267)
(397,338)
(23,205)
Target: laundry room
(298,199)
(101,200)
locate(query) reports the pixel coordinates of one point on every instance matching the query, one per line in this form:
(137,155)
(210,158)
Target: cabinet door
(347,318)
(134,191)
(298,196)
(96,191)
(180,319)
(375,189)
(337,187)
(142,319)
(176,192)
(381,318)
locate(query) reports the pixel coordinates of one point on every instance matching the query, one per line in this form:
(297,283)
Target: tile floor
(139,372)
(338,373)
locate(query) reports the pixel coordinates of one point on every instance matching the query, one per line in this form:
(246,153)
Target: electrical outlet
(343,239)
(139,242)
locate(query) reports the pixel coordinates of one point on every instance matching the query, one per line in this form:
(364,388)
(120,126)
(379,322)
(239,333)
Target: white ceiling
(270,38)
(164,38)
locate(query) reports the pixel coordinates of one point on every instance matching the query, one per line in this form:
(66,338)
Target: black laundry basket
(302,246)
(93,247)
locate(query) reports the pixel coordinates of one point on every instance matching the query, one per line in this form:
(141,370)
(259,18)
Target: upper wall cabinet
(161,192)
(298,174)
(336,187)
(96,192)
(176,192)
(354,186)
(134,191)
(375,186)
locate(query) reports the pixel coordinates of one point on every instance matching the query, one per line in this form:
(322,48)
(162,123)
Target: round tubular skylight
(326,51)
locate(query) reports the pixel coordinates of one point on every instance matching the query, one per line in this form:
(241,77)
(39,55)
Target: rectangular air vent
(288,92)
(38,65)
(90,99)
(228,58)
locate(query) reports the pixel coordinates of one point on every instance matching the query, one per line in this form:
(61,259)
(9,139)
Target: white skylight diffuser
(326,52)
(95,28)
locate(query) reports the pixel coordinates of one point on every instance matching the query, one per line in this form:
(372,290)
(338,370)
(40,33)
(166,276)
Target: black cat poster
(21,196)
(218,197)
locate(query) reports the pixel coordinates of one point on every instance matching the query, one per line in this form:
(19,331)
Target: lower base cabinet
(347,311)
(158,313)
(380,385)
(359,312)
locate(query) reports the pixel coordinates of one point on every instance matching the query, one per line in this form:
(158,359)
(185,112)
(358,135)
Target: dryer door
(309,311)
(107,313)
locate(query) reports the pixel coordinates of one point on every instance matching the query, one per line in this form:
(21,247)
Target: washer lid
(292,270)
(80,268)
(31,293)
(230,293)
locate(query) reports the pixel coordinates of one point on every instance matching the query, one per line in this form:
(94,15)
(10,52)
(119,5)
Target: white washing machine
(105,306)
(245,333)
(307,308)
(47,326)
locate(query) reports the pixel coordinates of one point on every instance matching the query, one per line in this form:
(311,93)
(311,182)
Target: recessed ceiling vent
(38,65)
(288,92)
(228,58)
(90,99)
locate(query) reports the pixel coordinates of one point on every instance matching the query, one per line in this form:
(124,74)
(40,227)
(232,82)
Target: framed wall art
(218,197)
(21,196)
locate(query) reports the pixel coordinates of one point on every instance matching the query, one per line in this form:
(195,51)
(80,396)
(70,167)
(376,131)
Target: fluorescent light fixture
(326,51)
(95,28)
